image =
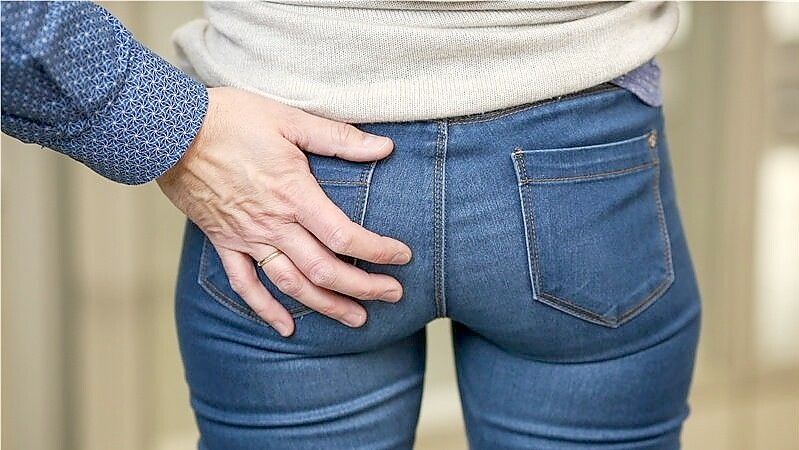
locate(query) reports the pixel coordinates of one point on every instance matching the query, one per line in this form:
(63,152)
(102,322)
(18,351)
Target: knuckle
(270,234)
(289,283)
(329,309)
(321,273)
(381,253)
(341,240)
(366,293)
(343,132)
(296,162)
(276,234)
(290,190)
(240,284)
(252,234)
(291,128)
(263,311)
(366,290)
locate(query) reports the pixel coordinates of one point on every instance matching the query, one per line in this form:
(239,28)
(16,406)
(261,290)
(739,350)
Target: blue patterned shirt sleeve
(643,81)
(76,81)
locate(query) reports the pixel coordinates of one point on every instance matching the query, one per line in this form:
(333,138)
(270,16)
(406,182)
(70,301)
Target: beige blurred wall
(89,353)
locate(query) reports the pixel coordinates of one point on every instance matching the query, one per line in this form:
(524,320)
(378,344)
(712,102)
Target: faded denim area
(548,233)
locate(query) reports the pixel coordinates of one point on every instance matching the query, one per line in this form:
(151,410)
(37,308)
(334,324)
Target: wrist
(201,138)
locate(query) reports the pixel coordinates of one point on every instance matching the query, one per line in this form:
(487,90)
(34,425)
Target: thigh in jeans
(327,385)
(568,278)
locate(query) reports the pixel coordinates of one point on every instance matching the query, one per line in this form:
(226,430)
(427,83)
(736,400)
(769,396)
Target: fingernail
(401,258)
(392,294)
(354,319)
(282,328)
(376,142)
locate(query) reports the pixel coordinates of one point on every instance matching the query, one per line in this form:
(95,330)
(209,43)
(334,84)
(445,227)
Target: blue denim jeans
(548,233)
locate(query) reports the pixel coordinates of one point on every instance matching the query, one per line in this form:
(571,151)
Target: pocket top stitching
(361,181)
(340,182)
(586,147)
(591,176)
(518,155)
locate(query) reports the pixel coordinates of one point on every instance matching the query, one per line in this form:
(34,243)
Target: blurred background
(89,352)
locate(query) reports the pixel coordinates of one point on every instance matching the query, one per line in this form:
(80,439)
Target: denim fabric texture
(549,235)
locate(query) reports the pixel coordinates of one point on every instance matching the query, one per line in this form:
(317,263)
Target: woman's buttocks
(393,197)
(563,240)
(551,229)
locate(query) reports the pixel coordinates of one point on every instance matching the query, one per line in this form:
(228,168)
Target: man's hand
(245,182)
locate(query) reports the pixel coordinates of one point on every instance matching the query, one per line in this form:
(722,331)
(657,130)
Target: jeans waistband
(487,115)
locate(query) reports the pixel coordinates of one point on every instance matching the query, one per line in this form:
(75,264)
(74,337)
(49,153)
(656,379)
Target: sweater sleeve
(76,81)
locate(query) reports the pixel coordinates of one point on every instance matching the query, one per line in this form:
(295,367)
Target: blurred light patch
(683,28)
(777,259)
(782,19)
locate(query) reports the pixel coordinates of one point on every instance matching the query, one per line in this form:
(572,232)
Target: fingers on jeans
(285,275)
(244,281)
(325,270)
(319,215)
(331,138)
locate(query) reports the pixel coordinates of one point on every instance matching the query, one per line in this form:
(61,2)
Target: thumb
(331,138)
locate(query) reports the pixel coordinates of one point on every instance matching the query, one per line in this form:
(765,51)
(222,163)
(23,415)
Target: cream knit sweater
(370,61)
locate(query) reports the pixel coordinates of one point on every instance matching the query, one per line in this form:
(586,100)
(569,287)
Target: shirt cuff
(147,126)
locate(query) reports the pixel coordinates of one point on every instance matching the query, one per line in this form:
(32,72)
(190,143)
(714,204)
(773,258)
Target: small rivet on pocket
(652,140)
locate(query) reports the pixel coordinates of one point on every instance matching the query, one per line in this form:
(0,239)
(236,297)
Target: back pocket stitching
(529,226)
(223,299)
(589,177)
(533,257)
(339,183)
(664,233)
(363,199)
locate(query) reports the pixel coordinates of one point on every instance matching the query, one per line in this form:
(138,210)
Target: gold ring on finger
(269,257)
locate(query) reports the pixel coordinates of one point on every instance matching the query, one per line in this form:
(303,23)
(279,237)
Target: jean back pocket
(345,183)
(595,231)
